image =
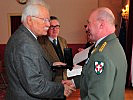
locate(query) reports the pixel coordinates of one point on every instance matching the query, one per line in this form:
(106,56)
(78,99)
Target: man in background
(104,74)
(88,44)
(54,46)
(28,70)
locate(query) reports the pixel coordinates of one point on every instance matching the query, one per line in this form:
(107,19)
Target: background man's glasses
(43,19)
(54,27)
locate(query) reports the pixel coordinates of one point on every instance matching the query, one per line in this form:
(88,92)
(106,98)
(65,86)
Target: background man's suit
(28,70)
(51,53)
(111,60)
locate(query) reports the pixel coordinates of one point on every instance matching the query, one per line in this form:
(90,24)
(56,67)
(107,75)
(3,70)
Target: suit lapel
(26,31)
(61,45)
(49,48)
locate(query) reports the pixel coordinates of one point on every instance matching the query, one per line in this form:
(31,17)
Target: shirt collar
(32,33)
(51,39)
(99,41)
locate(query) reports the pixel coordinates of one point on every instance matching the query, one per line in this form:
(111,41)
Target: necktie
(54,42)
(91,49)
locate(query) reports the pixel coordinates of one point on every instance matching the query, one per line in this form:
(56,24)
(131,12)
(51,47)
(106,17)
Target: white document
(75,71)
(81,56)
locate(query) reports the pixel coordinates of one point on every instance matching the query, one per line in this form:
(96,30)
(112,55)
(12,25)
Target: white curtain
(132,65)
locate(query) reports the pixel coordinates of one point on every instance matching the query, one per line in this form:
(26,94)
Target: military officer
(104,75)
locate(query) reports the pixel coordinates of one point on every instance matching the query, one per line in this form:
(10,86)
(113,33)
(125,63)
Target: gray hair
(105,14)
(31,8)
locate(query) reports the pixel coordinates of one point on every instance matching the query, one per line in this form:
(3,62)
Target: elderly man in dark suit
(29,72)
(104,74)
(54,45)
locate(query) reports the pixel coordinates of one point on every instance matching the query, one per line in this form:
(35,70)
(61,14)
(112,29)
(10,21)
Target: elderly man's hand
(69,82)
(68,90)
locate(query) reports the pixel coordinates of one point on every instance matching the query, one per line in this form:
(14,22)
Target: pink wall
(72,14)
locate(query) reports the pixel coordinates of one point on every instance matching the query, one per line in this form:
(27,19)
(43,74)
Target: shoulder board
(102,47)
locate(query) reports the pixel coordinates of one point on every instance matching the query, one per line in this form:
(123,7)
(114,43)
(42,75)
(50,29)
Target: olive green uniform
(104,75)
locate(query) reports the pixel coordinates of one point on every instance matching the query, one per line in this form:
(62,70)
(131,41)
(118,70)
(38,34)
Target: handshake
(69,87)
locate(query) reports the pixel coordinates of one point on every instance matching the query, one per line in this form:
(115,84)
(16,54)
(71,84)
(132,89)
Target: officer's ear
(101,24)
(29,20)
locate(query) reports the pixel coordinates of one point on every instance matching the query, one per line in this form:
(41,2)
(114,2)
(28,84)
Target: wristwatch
(22,1)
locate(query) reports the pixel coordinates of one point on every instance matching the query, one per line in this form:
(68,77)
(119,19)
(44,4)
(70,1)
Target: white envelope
(75,71)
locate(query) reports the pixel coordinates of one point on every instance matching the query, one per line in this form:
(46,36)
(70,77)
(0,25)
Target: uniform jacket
(29,73)
(104,76)
(52,55)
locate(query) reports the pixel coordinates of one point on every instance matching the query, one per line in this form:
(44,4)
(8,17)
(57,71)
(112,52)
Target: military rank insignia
(102,47)
(99,67)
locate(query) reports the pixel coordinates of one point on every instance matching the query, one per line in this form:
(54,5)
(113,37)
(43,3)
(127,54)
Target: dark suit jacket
(52,55)
(29,73)
(104,76)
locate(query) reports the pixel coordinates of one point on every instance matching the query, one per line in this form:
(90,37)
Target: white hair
(106,14)
(31,8)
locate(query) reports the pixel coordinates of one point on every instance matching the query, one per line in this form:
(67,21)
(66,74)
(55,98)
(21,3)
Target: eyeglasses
(54,27)
(43,19)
